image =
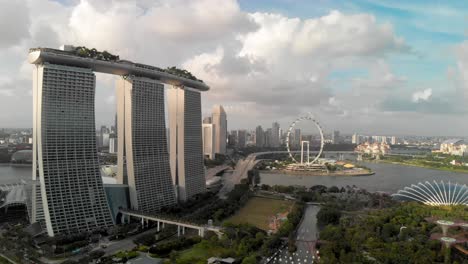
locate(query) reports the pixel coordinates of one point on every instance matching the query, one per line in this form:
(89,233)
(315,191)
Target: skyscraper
(219,120)
(116,136)
(142,127)
(336,137)
(241,138)
(105,136)
(208,140)
(259,137)
(297,137)
(356,139)
(275,135)
(268,136)
(186,143)
(232,138)
(68,195)
(207,120)
(112,143)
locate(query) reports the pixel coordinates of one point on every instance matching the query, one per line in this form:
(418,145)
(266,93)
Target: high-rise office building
(393,140)
(112,143)
(241,138)
(356,139)
(232,138)
(208,140)
(297,137)
(186,143)
(275,135)
(259,137)
(68,195)
(116,136)
(336,137)
(207,120)
(281,136)
(219,119)
(268,136)
(142,132)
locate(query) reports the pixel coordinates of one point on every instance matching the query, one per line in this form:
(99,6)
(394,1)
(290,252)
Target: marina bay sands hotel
(68,193)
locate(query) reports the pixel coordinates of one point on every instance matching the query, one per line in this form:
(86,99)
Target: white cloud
(423,95)
(332,35)
(6,92)
(461,52)
(261,66)
(14,21)
(289,60)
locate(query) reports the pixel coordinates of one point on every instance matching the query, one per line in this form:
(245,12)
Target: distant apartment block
(141,124)
(186,143)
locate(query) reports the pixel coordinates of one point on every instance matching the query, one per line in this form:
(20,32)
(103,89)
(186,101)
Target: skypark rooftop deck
(118,67)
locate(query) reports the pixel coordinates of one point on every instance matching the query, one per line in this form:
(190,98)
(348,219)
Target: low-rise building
(373,148)
(454,147)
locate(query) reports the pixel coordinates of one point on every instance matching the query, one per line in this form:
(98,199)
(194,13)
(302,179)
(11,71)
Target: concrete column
(183,230)
(157,229)
(178,231)
(142,222)
(163,225)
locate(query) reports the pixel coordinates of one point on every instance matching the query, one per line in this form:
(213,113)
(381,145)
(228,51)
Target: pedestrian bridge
(162,220)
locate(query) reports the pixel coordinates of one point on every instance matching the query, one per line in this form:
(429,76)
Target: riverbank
(319,173)
(421,166)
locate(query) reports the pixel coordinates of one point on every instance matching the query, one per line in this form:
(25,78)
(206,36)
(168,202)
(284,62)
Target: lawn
(258,211)
(4,260)
(199,253)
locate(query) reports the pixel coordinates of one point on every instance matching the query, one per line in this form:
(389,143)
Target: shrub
(328,215)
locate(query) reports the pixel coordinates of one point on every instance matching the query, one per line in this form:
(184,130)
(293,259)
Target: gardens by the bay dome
(434,193)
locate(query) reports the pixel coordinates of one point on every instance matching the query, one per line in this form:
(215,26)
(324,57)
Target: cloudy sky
(382,67)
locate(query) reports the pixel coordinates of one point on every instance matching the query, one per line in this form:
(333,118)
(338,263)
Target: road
(124,244)
(242,167)
(305,241)
(211,172)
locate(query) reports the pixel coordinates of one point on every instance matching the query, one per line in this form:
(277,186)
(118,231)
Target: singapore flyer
(305,153)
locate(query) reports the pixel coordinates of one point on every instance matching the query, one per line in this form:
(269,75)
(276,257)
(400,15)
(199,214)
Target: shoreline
(16,164)
(312,174)
(419,166)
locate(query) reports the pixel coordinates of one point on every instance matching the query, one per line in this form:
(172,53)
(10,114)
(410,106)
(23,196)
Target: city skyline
(395,75)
